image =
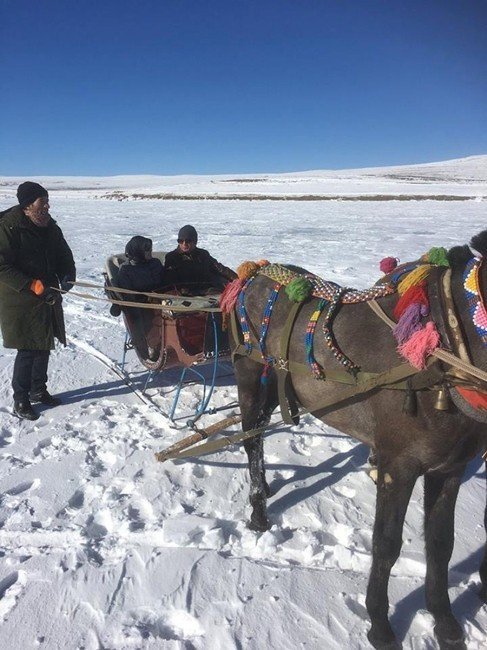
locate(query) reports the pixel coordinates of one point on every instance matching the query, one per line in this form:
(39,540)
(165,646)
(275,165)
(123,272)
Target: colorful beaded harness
(416,340)
(331,296)
(476,306)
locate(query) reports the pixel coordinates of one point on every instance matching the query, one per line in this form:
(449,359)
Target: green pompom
(437,255)
(299,289)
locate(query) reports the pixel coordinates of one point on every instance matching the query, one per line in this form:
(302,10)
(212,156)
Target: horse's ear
(479,242)
(459,255)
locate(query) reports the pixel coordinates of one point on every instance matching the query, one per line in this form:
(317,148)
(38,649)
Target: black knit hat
(28,192)
(188,232)
(137,247)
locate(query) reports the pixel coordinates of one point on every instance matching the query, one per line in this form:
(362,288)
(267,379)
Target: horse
(405,443)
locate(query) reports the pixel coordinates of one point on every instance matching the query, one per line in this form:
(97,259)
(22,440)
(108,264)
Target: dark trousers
(30,373)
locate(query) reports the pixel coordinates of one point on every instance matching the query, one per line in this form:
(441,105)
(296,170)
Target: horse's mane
(479,242)
(458,256)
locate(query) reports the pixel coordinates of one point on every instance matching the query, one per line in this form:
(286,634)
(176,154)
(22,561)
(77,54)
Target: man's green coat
(29,252)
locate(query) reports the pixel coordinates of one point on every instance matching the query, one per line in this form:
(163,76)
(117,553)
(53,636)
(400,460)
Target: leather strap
(285,391)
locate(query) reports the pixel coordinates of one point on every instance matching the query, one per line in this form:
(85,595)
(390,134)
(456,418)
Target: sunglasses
(185,241)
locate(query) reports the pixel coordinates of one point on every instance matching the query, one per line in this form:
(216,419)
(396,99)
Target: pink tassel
(230,294)
(388,264)
(421,344)
(409,323)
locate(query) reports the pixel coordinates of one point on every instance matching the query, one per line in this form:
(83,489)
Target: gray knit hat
(188,232)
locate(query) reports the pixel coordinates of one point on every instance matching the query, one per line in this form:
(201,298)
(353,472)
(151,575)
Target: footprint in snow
(99,524)
(140,513)
(97,467)
(23,487)
(170,625)
(6,437)
(42,444)
(300,447)
(75,502)
(136,520)
(11,589)
(201,471)
(353,604)
(16,462)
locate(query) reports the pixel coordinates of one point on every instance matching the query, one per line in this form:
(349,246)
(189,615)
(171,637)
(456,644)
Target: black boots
(25,411)
(23,407)
(44,397)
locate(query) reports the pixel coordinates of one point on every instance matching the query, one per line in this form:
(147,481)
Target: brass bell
(442,400)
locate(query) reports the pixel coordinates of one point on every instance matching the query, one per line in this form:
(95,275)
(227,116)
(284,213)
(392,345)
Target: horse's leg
(256,406)
(483,566)
(395,483)
(440,495)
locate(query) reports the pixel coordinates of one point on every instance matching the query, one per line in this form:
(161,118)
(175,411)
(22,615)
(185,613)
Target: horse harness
(404,377)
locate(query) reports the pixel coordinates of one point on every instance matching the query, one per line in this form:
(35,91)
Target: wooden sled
(166,338)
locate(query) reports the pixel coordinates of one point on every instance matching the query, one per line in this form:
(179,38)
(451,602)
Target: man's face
(186,245)
(38,212)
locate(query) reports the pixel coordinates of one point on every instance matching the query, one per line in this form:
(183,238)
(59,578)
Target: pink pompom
(421,344)
(388,264)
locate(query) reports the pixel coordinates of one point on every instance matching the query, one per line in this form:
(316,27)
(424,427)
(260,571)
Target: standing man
(34,257)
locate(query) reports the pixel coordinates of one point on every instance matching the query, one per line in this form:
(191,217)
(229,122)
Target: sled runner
(180,331)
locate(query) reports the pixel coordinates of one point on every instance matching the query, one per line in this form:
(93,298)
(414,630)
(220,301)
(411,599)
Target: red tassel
(230,294)
(413,294)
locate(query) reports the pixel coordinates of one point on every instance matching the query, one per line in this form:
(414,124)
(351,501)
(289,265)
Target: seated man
(193,269)
(141,272)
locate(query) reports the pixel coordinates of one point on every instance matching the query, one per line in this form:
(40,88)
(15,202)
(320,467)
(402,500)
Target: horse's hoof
(451,645)
(449,634)
(383,640)
(259,525)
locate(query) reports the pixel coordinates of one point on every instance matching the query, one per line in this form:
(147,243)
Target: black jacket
(144,276)
(197,271)
(28,252)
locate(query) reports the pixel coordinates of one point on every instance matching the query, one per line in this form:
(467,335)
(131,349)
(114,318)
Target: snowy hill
(462,177)
(102,547)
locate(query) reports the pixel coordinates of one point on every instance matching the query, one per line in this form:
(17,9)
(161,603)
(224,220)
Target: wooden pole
(200,434)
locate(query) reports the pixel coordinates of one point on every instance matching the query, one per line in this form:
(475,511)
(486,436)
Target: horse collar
(475,300)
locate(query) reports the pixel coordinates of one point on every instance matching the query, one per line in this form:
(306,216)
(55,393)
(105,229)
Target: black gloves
(66,283)
(51,296)
(115,310)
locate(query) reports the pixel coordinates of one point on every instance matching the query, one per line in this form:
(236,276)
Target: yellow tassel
(413,278)
(246,270)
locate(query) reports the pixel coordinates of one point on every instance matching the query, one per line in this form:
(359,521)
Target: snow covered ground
(102,547)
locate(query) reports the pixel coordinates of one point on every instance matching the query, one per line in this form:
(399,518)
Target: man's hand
(51,296)
(48,295)
(66,283)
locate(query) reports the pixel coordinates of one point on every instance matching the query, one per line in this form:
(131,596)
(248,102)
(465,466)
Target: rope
(168,302)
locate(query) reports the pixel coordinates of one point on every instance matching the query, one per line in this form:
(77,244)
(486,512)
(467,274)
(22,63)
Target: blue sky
(225,86)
